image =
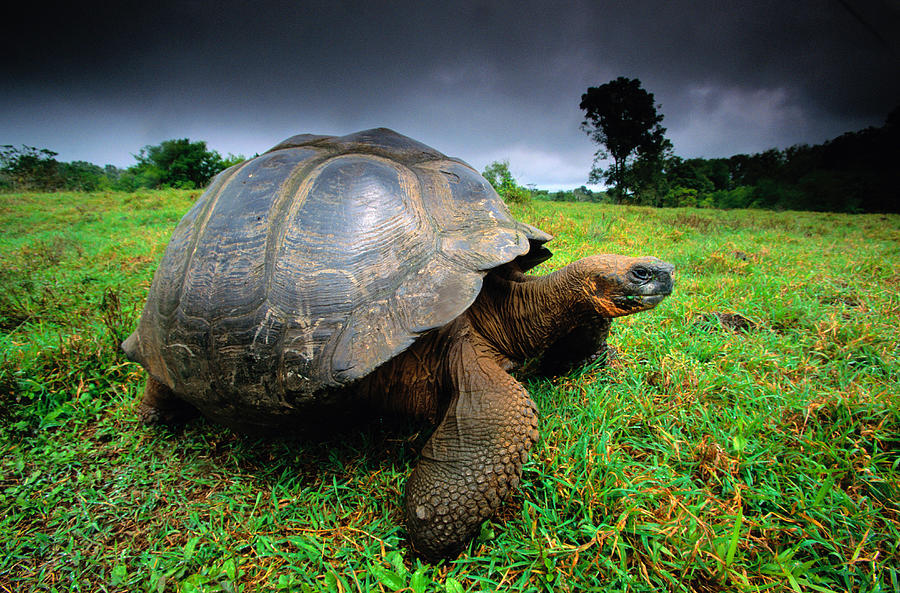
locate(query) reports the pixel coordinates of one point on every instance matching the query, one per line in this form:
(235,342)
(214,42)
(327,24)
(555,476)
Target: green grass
(762,456)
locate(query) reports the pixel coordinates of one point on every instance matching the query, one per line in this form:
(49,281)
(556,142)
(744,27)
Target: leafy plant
(177,163)
(499,176)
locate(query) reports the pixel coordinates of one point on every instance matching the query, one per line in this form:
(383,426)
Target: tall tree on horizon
(622,118)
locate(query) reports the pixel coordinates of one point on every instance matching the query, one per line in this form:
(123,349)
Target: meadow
(745,438)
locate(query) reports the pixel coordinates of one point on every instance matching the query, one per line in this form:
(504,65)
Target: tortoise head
(617,285)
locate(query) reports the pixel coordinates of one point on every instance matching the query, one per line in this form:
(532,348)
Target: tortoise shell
(305,268)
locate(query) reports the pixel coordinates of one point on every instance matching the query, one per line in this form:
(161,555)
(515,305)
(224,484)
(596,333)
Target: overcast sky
(482,81)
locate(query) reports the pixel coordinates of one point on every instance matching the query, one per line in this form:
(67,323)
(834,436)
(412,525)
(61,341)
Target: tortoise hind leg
(473,459)
(160,405)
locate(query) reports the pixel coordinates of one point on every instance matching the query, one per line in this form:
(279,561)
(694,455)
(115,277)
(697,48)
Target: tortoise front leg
(473,459)
(583,345)
(160,405)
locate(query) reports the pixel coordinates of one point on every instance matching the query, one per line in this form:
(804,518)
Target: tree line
(855,172)
(173,163)
(499,176)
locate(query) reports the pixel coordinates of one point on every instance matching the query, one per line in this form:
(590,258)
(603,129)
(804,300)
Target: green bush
(501,179)
(515,194)
(178,163)
(681,197)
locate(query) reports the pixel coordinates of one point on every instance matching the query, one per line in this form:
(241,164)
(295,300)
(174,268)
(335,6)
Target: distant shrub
(515,194)
(681,197)
(580,194)
(83,176)
(177,163)
(501,179)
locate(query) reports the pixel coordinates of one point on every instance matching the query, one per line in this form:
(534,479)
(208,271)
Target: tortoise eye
(641,274)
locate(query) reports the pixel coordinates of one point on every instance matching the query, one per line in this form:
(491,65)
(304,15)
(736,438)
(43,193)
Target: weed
(116,322)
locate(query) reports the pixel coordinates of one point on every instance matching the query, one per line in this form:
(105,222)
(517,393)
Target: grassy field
(747,438)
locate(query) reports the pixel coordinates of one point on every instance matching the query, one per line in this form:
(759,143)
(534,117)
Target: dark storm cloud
(479,80)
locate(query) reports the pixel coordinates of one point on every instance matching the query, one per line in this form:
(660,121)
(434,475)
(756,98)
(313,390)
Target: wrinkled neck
(521,319)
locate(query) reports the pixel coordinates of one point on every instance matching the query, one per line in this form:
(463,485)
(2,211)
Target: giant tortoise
(370,269)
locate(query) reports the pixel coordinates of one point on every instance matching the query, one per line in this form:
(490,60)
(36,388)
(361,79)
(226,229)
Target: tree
(648,177)
(29,168)
(498,175)
(177,163)
(621,116)
(583,194)
(82,176)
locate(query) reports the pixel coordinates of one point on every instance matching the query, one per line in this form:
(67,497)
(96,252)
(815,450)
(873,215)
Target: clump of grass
(704,457)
